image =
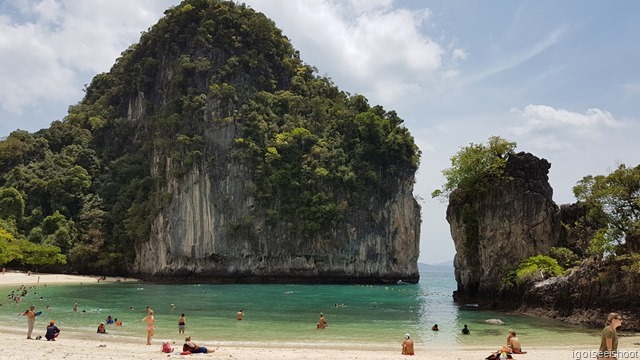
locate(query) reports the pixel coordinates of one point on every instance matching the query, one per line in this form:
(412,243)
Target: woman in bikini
(150,320)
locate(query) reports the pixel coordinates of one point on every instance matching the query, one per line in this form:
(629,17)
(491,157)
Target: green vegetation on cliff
(86,188)
(615,200)
(472,169)
(475,165)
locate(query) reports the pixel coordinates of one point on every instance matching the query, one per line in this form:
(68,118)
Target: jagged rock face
(587,294)
(190,237)
(517,219)
(494,231)
(197,71)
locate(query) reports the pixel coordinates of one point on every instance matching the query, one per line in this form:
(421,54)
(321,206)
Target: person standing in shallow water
(322,323)
(182,324)
(240,314)
(465,330)
(609,337)
(150,320)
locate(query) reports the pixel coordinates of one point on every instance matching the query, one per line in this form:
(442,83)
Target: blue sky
(559,78)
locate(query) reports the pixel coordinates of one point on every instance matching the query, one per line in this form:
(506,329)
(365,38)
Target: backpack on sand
(166,347)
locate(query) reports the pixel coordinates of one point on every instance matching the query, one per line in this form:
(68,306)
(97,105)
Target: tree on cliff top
(474,164)
(615,198)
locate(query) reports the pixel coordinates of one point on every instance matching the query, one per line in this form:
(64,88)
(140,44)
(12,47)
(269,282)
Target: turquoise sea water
(286,314)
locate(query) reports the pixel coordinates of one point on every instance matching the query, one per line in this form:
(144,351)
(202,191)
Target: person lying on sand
(190,346)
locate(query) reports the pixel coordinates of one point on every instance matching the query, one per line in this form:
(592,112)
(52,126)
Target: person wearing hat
(407,345)
(52,331)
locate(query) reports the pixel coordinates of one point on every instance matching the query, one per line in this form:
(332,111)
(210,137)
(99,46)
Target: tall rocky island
(210,151)
(517,250)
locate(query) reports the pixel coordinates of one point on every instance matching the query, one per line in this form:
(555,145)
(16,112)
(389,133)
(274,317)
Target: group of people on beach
(189,345)
(102,329)
(52,330)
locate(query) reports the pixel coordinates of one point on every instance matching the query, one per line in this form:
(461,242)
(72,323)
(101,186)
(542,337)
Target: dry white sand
(20,278)
(76,346)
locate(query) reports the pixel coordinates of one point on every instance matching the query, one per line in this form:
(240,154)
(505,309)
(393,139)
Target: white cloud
(31,68)
(358,41)
(47,46)
(549,127)
(519,57)
(364,6)
(49,11)
(458,54)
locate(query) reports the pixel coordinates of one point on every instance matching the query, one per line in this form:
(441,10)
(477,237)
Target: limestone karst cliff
(495,230)
(211,152)
(258,195)
(516,218)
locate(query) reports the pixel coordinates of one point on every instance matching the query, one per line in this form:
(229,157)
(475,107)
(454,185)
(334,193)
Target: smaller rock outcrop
(493,231)
(587,294)
(516,218)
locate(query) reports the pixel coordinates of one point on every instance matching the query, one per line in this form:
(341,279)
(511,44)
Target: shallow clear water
(287,313)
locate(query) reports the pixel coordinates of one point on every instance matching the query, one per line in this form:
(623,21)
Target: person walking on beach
(31,320)
(407,345)
(609,337)
(182,324)
(150,320)
(322,323)
(240,314)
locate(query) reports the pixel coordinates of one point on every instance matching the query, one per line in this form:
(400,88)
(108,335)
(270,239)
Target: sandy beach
(20,278)
(73,345)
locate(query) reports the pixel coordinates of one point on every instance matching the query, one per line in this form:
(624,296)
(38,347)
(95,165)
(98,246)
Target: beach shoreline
(17,278)
(73,344)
